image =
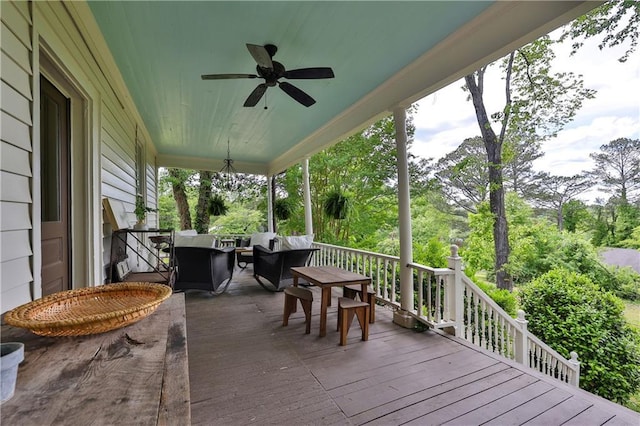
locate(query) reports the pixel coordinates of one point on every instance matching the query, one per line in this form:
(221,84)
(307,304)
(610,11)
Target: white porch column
(306,191)
(269,204)
(404,216)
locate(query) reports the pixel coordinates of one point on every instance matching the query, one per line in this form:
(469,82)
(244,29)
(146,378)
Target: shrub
(504,298)
(433,254)
(570,313)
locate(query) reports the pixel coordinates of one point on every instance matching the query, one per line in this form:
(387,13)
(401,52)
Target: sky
(446,118)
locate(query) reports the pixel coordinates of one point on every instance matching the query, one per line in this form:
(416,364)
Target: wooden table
(133,375)
(326,277)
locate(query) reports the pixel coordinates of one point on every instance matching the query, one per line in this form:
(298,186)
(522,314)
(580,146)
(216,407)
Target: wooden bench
(351,291)
(291,296)
(347,308)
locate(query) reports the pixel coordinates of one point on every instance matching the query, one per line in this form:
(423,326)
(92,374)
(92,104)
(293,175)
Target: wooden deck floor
(245,368)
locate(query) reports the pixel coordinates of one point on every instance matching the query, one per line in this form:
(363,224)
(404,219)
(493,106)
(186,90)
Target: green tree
(178,179)
(361,167)
(553,192)
(463,174)
(617,168)
(614,22)
(202,219)
(575,216)
(538,104)
(570,313)
(519,153)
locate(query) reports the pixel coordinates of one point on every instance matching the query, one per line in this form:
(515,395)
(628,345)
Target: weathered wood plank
(449,406)
(109,378)
(403,385)
(246,368)
(175,408)
(530,409)
(500,406)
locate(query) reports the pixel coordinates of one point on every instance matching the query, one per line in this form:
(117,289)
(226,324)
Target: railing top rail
(434,271)
(368,253)
(489,301)
(550,350)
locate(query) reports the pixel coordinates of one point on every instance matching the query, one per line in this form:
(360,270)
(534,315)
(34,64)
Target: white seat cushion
(203,240)
(262,238)
(296,242)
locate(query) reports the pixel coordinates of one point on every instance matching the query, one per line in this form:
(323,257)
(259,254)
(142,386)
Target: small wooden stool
(351,291)
(346,309)
(291,295)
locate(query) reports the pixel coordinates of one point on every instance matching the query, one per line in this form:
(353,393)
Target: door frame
(85,241)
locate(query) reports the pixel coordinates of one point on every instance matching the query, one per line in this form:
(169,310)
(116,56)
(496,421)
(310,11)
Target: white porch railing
(447,299)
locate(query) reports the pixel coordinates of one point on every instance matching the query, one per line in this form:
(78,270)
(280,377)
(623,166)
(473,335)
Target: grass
(632,313)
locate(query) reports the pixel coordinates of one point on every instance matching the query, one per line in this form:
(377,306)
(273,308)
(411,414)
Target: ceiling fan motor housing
(271,75)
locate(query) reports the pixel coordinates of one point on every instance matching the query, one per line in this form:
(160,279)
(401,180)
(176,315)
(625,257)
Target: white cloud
(446,118)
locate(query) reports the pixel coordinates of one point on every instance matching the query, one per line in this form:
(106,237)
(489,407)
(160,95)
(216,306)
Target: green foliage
(283,208)
(624,282)
(336,205)
(478,251)
(617,167)
(217,206)
(433,254)
(614,223)
(614,22)
(634,239)
(537,247)
(576,216)
(504,298)
(141,209)
(570,313)
(238,220)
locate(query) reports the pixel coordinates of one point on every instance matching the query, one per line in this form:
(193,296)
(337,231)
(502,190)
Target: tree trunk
(274,222)
(560,217)
(493,146)
(204,197)
(180,195)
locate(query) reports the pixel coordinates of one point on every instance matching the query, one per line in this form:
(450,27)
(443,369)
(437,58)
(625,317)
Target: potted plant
(283,208)
(141,211)
(336,205)
(217,206)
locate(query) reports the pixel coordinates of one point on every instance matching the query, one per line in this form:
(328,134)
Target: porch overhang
(377,69)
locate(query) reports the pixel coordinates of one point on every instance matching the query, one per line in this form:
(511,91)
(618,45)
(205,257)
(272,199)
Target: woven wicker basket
(89,310)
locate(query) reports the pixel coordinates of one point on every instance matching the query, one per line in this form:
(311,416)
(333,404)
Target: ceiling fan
(272,71)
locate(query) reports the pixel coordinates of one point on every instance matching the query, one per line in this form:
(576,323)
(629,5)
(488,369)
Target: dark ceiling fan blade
(310,73)
(297,94)
(226,76)
(260,55)
(256,95)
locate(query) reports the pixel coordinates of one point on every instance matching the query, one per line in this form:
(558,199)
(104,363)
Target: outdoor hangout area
(314,352)
(311,212)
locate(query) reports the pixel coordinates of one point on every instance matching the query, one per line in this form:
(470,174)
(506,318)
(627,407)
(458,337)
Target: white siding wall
(110,129)
(16,247)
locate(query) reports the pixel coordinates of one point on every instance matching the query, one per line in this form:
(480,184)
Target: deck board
(246,368)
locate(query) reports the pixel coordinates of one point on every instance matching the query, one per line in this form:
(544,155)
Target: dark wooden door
(54,167)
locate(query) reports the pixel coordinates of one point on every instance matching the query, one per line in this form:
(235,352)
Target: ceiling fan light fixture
(272,71)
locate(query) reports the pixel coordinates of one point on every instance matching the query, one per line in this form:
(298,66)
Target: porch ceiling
(384,54)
